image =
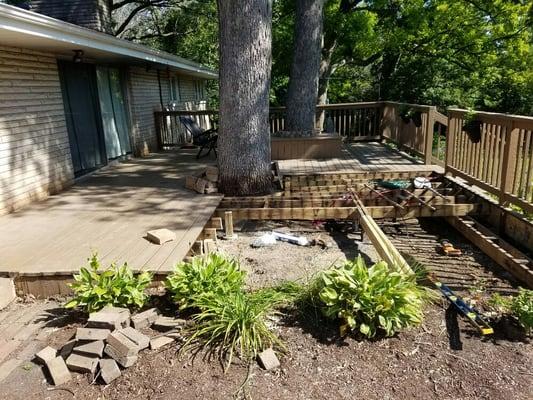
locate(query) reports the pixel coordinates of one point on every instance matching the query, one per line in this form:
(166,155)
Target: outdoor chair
(205,139)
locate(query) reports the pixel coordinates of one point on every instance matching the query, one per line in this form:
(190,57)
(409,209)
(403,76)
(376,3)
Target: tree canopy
(469,53)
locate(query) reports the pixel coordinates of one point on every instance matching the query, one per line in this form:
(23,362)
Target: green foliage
(372,299)
(519,306)
(214,274)
(522,308)
(115,286)
(235,323)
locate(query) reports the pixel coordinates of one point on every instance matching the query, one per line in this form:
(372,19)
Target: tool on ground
(448,250)
(299,240)
(469,312)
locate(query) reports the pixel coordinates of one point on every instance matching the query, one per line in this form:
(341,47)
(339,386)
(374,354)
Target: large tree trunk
(325,70)
(303,84)
(244,74)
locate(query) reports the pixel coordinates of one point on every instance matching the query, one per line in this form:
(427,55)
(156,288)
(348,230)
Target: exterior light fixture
(78,54)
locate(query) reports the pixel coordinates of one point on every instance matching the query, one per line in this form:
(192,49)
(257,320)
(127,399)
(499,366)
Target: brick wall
(34,148)
(92,14)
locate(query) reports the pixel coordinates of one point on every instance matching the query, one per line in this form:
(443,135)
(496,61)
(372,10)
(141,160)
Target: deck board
(110,213)
(357,157)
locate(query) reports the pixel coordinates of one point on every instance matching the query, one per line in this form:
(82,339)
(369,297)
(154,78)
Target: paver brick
(109,318)
(136,337)
(144,319)
(122,344)
(83,364)
(168,323)
(92,334)
(125,361)
(160,236)
(58,371)
(91,349)
(46,354)
(268,359)
(109,370)
(158,342)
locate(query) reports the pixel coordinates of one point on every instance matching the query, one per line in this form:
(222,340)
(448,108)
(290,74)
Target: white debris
(268,239)
(422,182)
(299,240)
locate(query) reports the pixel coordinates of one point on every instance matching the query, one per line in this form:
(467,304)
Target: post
(509,160)
(428,145)
(228,224)
(450,140)
(158,132)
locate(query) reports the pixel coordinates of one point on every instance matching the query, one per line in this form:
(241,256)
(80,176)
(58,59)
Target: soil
(444,358)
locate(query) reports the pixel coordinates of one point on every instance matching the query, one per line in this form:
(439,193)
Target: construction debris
(299,240)
(160,236)
(448,250)
(106,341)
(206,182)
(265,240)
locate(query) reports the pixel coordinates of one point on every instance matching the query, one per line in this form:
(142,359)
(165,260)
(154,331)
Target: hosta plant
(116,286)
(371,300)
(214,274)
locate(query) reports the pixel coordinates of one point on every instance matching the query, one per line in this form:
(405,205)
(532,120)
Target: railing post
(450,141)
(510,151)
(428,148)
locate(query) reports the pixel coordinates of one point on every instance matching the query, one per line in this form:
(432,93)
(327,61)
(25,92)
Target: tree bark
(303,83)
(325,72)
(245,33)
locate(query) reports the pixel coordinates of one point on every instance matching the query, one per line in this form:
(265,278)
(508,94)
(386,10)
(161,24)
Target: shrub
(214,274)
(116,286)
(522,308)
(235,322)
(371,299)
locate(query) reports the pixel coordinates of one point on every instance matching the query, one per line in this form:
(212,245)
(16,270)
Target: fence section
(495,152)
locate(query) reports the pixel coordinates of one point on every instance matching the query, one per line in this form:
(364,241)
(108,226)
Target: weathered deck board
(110,212)
(357,157)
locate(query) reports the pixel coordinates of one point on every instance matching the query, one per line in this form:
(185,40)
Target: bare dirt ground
(444,358)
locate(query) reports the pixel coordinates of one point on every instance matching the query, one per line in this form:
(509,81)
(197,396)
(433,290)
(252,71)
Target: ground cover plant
(228,319)
(370,300)
(214,274)
(519,306)
(115,286)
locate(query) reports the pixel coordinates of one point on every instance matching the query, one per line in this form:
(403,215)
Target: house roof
(27,29)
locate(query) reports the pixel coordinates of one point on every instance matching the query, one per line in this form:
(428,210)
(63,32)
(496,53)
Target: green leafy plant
(214,274)
(116,286)
(235,323)
(372,299)
(522,308)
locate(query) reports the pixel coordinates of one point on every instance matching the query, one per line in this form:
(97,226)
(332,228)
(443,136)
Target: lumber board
(315,213)
(501,253)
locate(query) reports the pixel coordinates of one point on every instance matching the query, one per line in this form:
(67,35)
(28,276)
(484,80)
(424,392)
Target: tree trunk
(245,62)
(325,70)
(303,84)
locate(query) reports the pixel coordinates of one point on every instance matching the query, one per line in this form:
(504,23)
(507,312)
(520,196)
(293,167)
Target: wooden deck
(357,157)
(110,213)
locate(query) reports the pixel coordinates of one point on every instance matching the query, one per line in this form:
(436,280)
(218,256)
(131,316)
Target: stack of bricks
(206,182)
(111,340)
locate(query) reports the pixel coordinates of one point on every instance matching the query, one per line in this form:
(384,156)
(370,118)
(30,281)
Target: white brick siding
(34,148)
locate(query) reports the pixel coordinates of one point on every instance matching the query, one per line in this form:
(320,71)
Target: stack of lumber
(206,182)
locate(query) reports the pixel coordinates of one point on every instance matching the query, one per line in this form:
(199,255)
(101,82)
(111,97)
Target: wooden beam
(315,213)
(511,259)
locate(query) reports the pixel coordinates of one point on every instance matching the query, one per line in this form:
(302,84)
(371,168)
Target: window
(199,90)
(175,89)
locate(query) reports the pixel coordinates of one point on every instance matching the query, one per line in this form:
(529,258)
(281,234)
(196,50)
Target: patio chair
(202,138)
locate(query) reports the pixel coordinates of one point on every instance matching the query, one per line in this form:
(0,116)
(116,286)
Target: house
(73,97)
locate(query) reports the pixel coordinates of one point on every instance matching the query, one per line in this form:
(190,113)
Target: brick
(92,334)
(83,364)
(268,359)
(136,337)
(46,354)
(125,361)
(160,236)
(109,370)
(109,318)
(144,319)
(168,323)
(122,344)
(67,348)
(91,349)
(158,342)
(58,371)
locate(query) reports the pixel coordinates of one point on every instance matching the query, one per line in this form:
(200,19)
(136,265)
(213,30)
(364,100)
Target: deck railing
(500,163)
